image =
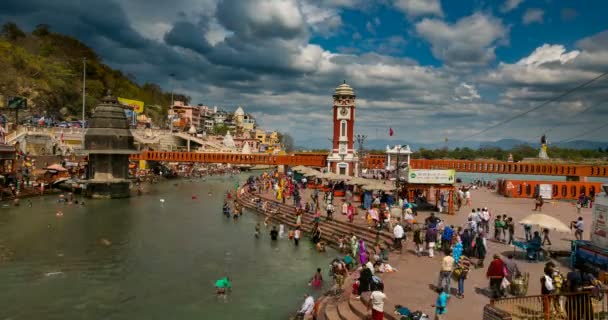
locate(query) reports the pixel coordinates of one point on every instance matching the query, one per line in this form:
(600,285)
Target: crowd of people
(463,247)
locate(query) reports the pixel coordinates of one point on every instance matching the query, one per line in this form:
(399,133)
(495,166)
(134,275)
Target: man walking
(447,265)
(398,234)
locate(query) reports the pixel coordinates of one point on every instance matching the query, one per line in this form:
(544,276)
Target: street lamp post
(360,140)
(171,76)
(397,180)
(84,85)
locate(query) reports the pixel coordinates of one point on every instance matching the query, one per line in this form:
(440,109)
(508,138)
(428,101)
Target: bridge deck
(378,162)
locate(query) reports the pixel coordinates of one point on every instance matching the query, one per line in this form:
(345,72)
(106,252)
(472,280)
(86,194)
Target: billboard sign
(136,105)
(545,191)
(599,232)
(16,103)
(430,176)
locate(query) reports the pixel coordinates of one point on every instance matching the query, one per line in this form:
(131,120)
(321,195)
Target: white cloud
(416,8)
(548,53)
(322,20)
(216,33)
(468,42)
(547,65)
(466,92)
(510,5)
(533,15)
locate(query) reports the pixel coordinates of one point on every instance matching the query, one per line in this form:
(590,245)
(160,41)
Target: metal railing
(570,306)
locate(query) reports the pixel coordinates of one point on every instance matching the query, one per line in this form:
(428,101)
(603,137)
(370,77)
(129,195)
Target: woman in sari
(362,253)
(350,212)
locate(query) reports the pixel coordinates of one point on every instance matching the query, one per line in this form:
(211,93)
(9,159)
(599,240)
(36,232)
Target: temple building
(109,143)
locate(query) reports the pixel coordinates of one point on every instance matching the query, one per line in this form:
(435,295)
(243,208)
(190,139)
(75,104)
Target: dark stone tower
(108,142)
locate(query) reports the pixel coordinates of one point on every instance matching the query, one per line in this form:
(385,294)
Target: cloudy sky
(429,69)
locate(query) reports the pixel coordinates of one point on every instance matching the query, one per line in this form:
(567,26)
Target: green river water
(162,263)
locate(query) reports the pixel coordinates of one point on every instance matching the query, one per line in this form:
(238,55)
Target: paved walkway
(410,286)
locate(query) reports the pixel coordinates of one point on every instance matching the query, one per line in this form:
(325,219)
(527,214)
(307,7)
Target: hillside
(46,68)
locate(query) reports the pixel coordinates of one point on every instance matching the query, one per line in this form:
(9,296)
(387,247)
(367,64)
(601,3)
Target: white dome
(192,130)
(344,90)
(228,141)
(246,149)
(239,112)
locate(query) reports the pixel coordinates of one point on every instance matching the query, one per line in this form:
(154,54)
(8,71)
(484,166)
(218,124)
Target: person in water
(222,286)
(317,279)
(257,230)
(274,233)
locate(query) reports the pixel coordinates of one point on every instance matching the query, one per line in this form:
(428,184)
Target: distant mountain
(505,144)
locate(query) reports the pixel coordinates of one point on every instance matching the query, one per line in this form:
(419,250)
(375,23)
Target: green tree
(12,32)
(287,141)
(42,30)
(220,129)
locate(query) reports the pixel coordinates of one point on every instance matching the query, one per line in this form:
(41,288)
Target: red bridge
(378,162)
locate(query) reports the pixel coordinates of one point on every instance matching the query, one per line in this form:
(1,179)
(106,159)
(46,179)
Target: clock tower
(343,158)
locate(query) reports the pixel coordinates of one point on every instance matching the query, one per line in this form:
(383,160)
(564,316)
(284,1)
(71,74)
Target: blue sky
(429,69)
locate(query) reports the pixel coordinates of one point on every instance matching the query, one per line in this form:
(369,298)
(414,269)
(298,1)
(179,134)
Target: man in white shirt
(485,219)
(330,210)
(344,208)
(579,227)
(377,302)
(447,265)
(398,235)
(307,307)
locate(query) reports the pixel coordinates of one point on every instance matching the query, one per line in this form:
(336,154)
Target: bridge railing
(583,305)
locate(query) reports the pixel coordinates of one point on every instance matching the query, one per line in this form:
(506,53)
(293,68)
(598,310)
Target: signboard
(545,191)
(16,103)
(431,176)
(599,232)
(137,106)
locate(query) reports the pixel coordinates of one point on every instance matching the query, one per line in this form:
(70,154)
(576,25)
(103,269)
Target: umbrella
(329,176)
(360,181)
(313,173)
(301,169)
(546,222)
(338,177)
(56,167)
(395,211)
(378,186)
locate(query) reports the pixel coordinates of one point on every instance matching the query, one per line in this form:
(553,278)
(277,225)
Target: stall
(429,186)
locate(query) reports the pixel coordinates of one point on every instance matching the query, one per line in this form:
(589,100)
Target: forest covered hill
(47,68)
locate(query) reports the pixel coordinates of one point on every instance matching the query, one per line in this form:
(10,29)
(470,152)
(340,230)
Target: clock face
(343,111)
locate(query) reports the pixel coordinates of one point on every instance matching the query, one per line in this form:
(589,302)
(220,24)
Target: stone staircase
(346,307)
(331,230)
(342,307)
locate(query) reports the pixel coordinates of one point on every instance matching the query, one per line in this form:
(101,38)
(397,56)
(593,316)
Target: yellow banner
(137,106)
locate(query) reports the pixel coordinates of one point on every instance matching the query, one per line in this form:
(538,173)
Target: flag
(390,132)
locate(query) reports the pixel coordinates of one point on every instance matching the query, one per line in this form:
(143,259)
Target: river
(162,262)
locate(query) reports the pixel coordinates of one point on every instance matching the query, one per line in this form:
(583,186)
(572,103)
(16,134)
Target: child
(441,303)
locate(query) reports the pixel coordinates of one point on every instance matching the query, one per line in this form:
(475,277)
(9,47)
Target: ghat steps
(342,307)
